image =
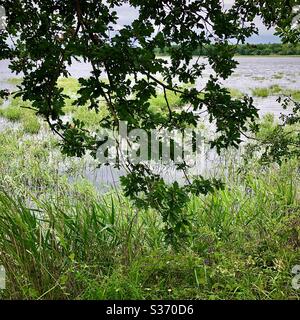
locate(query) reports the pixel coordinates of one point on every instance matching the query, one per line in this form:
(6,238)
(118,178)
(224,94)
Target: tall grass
(60,238)
(48,248)
(59,241)
(243,245)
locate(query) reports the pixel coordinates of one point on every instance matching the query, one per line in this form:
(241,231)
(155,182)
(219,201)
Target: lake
(252,72)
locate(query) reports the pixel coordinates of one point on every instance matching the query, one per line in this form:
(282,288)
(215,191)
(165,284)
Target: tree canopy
(43,37)
(276,49)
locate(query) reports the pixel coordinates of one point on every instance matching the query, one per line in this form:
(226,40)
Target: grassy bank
(62,239)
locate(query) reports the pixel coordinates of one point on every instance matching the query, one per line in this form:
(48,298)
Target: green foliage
(275,49)
(53,34)
(65,241)
(278,141)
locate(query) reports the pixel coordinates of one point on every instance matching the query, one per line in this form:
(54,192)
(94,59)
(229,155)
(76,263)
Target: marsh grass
(236,93)
(295,94)
(243,246)
(259,78)
(158,104)
(275,90)
(278,76)
(31,124)
(70,85)
(17,111)
(11,113)
(14,81)
(91,118)
(266,92)
(260,92)
(62,240)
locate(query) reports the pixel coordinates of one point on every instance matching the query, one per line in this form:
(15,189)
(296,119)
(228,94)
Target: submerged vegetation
(275,90)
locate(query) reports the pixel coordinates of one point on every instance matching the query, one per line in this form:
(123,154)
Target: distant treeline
(251,49)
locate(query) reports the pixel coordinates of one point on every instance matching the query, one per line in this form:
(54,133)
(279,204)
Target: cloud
(127,14)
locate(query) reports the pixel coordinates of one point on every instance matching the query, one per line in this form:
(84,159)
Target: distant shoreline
(246,56)
(269,56)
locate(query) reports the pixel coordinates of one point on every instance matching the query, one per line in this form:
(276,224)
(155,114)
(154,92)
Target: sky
(264,36)
(127,14)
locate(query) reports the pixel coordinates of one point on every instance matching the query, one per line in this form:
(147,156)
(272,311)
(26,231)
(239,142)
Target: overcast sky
(127,14)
